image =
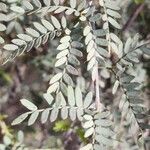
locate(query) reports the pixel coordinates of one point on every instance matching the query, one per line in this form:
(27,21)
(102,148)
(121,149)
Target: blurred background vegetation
(28,77)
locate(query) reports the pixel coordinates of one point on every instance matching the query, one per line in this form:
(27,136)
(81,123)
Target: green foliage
(92,50)
(139,1)
(62,126)
(13,142)
(80,132)
(6,77)
(9,140)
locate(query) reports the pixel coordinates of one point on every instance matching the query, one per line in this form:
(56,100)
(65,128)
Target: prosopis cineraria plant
(86,31)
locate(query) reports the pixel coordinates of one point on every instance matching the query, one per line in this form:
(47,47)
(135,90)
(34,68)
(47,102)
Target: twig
(144,44)
(133,17)
(99,105)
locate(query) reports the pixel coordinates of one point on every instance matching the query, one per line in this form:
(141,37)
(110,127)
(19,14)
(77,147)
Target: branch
(133,17)
(99,105)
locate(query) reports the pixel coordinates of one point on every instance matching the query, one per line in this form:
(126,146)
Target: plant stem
(99,105)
